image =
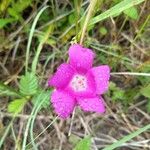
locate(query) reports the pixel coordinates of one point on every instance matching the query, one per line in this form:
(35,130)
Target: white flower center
(79,83)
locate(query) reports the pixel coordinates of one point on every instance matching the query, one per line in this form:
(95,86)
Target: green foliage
(146,91)
(132,13)
(28,84)
(16,105)
(71,19)
(39,48)
(49,41)
(18,7)
(84,144)
(40,96)
(15,9)
(7,91)
(145,67)
(103,30)
(115,10)
(3,5)
(30,40)
(117,1)
(124,96)
(4,22)
(115,92)
(46,16)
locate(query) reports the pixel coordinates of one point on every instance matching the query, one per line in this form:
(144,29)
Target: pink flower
(77,83)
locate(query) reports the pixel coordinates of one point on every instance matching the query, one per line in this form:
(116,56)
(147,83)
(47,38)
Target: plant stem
(89,14)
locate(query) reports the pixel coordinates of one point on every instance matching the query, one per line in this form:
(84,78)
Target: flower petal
(101,75)
(92,104)
(62,76)
(81,58)
(63,103)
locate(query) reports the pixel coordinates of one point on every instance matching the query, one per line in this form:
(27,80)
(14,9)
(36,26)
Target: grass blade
(127,138)
(125,4)
(31,35)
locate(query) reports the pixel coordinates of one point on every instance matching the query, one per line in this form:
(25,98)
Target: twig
(41,117)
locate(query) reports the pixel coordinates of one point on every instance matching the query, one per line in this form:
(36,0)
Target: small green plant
(84,144)
(132,13)
(14,9)
(16,106)
(103,30)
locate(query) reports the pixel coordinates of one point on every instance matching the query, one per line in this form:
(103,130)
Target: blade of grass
(31,35)
(14,138)
(142,28)
(51,56)
(120,7)
(127,138)
(106,51)
(61,17)
(43,40)
(6,132)
(44,130)
(28,124)
(74,25)
(35,109)
(77,4)
(32,123)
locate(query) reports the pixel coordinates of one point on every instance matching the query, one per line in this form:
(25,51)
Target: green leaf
(144,67)
(28,84)
(132,13)
(5,21)
(146,91)
(7,91)
(18,7)
(120,7)
(116,1)
(4,4)
(103,30)
(84,144)
(16,105)
(71,19)
(40,96)
(119,94)
(14,13)
(21,5)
